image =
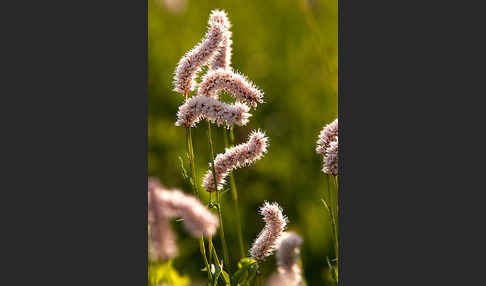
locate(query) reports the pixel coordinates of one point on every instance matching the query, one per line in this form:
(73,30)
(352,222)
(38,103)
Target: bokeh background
(289,49)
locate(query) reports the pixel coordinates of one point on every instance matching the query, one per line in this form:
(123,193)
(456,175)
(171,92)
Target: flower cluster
(215,51)
(327,145)
(198,107)
(269,239)
(239,156)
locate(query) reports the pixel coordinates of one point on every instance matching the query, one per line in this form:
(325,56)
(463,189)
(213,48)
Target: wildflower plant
(202,220)
(201,101)
(328,147)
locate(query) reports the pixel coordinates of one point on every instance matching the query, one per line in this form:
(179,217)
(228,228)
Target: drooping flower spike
(331,158)
(164,205)
(269,239)
(192,62)
(234,83)
(239,156)
(222,59)
(198,107)
(162,244)
(328,146)
(328,134)
(197,219)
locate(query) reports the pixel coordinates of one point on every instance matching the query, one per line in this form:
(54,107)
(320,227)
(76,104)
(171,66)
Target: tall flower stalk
(234,195)
(214,51)
(190,152)
(328,147)
(218,200)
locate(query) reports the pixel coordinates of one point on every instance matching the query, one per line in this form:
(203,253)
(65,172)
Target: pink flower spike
(222,59)
(234,83)
(239,156)
(331,158)
(269,239)
(328,134)
(192,62)
(198,107)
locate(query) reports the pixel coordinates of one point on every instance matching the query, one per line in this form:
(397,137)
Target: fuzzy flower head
(192,62)
(328,134)
(198,107)
(222,59)
(162,241)
(197,219)
(162,244)
(331,158)
(234,83)
(239,156)
(220,17)
(165,205)
(269,239)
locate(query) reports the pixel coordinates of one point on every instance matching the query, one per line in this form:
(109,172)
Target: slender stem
(218,201)
(333,224)
(190,151)
(336,202)
(259,278)
(329,207)
(336,226)
(215,255)
(202,247)
(234,193)
(211,247)
(331,213)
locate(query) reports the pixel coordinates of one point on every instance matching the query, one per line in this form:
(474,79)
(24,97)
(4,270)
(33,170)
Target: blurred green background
(289,50)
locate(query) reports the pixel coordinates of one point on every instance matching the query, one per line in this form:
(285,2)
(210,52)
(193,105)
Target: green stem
(333,228)
(202,248)
(336,226)
(329,206)
(259,278)
(215,255)
(218,201)
(190,151)
(234,193)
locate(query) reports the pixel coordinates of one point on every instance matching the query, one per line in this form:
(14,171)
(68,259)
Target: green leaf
(184,172)
(247,267)
(332,269)
(164,273)
(226,277)
(252,272)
